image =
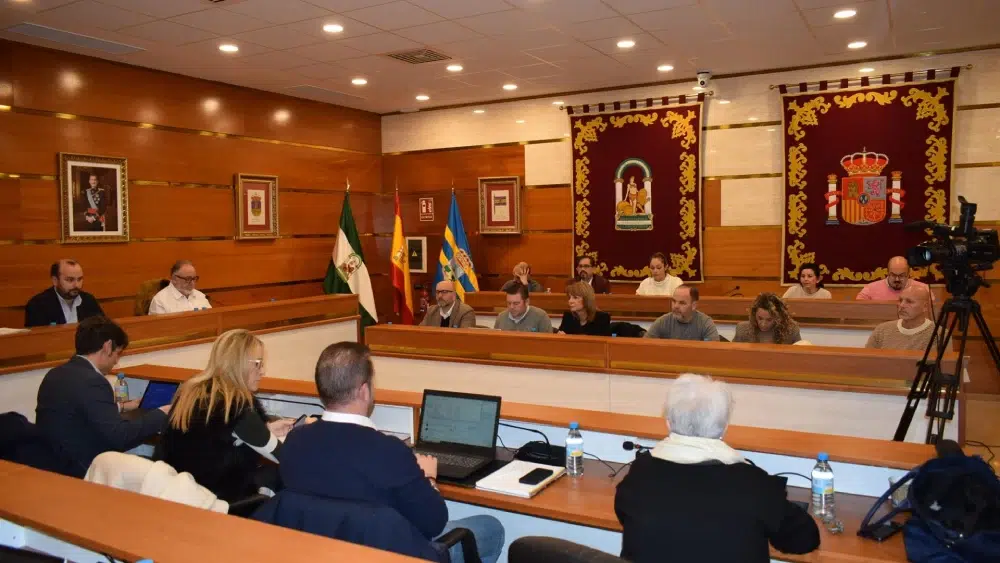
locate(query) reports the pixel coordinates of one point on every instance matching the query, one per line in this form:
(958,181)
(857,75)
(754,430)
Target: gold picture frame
(500,205)
(93,198)
(256,206)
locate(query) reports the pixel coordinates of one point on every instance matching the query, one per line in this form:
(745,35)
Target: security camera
(703,77)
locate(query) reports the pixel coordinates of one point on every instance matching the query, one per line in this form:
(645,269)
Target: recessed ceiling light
(228,48)
(665,68)
(333,28)
(857,44)
(724,102)
(423,97)
(520,121)
(454,68)
(478,111)
(752,118)
(558,103)
(844,14)
(626,44)
(866,70)
(510,87)
(359,81)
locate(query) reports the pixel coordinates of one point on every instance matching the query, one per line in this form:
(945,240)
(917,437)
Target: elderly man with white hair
(695,499)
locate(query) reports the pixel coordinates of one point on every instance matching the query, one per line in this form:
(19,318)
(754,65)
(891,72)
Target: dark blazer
(77,414)
(599,284)
(600,326)
(44,309)
(739,503)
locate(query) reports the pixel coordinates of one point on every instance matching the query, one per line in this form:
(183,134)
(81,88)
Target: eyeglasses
(445,291)
(587,266)
(191,279)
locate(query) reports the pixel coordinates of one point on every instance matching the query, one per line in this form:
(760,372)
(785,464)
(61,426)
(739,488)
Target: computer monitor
(459,419)
(158,393)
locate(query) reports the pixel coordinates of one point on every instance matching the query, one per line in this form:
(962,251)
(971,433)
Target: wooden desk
(590,501)
(78,512)
(49,346)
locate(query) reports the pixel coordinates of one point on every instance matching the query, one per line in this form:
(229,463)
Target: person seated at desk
(660,282)
(740,509)
(217,430)
(343,456)
(180,296)
(685,321)
(769,323)
(76,409)
(521,316)
(894,283)
(585,273)
(65,302)
(810,285)
(913,330)
(583,316)
(449,312)
(522,275)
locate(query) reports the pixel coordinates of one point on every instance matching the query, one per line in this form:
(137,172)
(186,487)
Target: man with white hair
(740,508)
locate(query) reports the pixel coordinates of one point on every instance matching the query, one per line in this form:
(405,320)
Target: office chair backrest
(21,442)
(147,290)
(357,522)
(537,549)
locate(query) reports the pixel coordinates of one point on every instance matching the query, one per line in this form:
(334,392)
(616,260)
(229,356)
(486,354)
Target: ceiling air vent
(419,56)
(69,38)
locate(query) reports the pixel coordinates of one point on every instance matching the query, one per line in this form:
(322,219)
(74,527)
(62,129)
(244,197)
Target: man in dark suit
(76,409)
(343,456)
(65,302)
(585,273)
(93,203)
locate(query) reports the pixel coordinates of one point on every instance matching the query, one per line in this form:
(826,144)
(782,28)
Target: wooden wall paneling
(10,202)
(39,217)
(548,253)
(6,76)
(301,213)
(435,170)
(711,203)
(747,252)
(180,101)
(34,141)
(266,293)
(547,209)
(158,211)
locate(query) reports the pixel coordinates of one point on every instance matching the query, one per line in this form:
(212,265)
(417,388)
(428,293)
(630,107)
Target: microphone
(731,292)
(629,445)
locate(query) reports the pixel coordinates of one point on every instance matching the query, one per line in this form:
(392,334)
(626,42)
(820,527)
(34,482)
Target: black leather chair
(537,549)
(21,442)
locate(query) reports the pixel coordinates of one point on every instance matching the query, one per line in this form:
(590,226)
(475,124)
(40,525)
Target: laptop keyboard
(455,460)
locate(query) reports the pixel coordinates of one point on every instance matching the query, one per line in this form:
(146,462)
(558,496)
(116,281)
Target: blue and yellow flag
(455,261)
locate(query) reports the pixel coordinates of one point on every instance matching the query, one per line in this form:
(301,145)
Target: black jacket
(600,326)
(708,513)
(44,309)
(77,414)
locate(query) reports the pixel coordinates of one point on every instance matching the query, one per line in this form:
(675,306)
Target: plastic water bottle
(574,450)
(822,488)
(121,391)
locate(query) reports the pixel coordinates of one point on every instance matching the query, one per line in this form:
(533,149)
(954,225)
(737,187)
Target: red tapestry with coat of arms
(860,164)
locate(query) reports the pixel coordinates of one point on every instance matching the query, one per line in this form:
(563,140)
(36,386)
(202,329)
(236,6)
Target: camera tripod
(931,382)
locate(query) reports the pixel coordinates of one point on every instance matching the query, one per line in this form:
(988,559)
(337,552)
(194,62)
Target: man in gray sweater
(520,315)
(685,322)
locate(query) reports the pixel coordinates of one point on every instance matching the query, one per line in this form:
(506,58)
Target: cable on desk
(793,473)
(613,471)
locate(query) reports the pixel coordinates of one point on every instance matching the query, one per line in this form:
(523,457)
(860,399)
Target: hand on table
(429,465)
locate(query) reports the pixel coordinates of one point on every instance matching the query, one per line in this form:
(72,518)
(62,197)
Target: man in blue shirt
(343,456)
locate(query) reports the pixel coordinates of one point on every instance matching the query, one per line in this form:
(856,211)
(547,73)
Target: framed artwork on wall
(93,198)
(500,205)
(256,206)
(416,253)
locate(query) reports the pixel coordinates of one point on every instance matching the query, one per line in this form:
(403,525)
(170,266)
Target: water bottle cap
(823,456)
(574,425)
(533,329)
(614,334)
(121,375)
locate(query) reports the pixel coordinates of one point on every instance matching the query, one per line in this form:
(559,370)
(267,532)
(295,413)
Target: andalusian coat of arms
(864,196)
(633,203)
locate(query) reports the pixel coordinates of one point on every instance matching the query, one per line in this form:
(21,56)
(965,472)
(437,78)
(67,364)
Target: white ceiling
(544,46)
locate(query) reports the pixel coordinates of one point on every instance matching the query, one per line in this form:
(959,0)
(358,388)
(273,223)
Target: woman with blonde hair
(583,316)
(769,322)
(217,430)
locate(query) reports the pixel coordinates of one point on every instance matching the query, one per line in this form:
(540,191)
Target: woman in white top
(660,283)
(810,285)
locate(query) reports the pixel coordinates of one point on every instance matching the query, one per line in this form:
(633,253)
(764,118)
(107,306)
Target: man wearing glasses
(894,284)
(449,311)
(180,295)
(585,273)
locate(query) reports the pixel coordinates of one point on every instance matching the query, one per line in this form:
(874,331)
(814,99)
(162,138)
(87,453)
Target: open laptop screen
(459,419)
(158,393)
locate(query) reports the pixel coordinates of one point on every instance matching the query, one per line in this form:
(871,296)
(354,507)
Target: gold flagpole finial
(348,185)
(453,184)
(397,184)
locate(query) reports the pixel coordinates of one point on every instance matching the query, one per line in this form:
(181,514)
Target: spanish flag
(402,300)
(455,260)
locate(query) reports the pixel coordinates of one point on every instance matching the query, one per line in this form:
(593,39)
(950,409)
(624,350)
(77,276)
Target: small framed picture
(93,198)
(500,205)
(416,252)
(256,206)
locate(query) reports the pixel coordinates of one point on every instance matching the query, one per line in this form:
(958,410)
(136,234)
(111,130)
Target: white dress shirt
(348,418)
(69,309)
(170,300)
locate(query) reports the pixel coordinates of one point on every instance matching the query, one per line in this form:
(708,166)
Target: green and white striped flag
(347,272)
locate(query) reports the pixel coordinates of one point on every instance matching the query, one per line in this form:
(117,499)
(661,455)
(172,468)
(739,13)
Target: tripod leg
(991,344)
(944,387)
(925,371)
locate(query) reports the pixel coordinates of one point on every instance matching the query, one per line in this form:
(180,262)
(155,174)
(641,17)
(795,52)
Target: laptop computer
(460,430)
(157,394)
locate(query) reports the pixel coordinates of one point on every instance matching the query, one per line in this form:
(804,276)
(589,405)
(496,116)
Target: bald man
(449,312)
(65,302)
(913,329)
(893,284)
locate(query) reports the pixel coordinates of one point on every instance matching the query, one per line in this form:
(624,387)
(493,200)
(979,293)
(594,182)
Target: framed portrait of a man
(256,206)
(93,198)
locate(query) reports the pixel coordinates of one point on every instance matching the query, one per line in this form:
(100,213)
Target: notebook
(505,480)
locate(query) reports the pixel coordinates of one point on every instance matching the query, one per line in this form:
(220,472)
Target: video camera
(960,250)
